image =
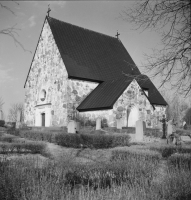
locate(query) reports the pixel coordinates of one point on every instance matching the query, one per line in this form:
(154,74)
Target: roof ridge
(84,28)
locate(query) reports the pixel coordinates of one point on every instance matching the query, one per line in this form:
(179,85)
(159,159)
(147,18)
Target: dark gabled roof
(106,94)
(89,55)
(155,97)
(93,56)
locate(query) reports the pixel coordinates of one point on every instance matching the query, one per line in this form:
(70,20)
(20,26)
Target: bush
(167,151)
(134,154)
(13,132)
(2,123)
(183,132)
(69,140)
(153,132)
(28,147)
(92,140)
(7,138)
(180,161)
(34,135)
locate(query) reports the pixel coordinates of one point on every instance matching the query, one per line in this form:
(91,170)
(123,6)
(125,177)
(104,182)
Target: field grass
(136,172)
(127,179)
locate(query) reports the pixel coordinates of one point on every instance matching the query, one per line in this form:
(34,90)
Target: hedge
(180,161)
(136,154)
(2,123)
(92,140)
(34,135)
(75,140)
(28,147)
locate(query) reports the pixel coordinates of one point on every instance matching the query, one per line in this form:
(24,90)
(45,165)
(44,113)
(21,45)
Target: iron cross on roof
(48,9)
(117,35)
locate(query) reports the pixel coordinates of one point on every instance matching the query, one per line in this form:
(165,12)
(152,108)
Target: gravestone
(72,126)
(18,122)
(98,123)
(78,126)
(185,138)
(139,131)
(119,123)
(169,128)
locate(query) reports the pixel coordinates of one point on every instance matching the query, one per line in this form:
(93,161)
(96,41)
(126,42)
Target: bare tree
(177,107)
(171,18)
(16,110)
(12,32)
(1,108)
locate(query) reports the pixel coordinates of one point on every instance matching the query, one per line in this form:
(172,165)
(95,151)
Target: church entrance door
(43,119)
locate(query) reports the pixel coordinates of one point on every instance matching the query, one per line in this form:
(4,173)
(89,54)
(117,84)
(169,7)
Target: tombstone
(18,122)
(18,116)
(78,126)
(98,123)
(185,138)
(169,128)
(119,123)
(139,131)
(72,126)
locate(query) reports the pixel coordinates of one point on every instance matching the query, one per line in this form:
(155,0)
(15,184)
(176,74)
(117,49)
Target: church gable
(136,100)
(47,73)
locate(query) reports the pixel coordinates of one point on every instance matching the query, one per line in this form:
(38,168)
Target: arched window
(43,95)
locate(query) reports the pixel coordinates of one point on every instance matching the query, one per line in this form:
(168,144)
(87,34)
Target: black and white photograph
(95,100)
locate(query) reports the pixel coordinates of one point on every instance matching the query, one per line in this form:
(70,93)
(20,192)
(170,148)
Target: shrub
(34,135)
(7,138)
(2,123)
(183,132)
(28,147)
(134,154)
(153,132)
(69,140)
(180,160)
(165,151)
(91,140)
(97,141)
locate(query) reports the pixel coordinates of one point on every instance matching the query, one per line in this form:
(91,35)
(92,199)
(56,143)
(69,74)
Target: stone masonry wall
(131,97)
(49,73)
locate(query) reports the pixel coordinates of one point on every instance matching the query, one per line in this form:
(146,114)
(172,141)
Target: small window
(146,91)
(43,95)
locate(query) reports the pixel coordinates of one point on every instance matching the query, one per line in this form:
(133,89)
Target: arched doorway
(133,117)
(128,112)
(43,119)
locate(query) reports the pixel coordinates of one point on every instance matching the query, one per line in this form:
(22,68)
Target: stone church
(81,74)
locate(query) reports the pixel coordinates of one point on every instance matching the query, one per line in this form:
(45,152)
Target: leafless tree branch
(14,110)
(172,19)
(12,32)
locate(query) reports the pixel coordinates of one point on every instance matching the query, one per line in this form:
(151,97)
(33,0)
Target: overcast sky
(100,16)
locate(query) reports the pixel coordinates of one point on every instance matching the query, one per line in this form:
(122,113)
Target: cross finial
(117,35)
(48,9)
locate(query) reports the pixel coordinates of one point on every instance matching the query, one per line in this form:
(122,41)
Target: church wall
(47,73)
(77,91)
(131,98)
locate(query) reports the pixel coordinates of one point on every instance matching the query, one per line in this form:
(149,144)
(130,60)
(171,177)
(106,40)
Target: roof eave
(95,109)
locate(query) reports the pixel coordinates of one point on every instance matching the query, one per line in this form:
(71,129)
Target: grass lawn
(46,171)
